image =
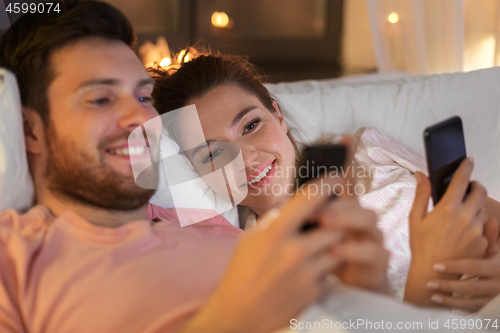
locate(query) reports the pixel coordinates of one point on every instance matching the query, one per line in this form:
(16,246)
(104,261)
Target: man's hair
(26,48)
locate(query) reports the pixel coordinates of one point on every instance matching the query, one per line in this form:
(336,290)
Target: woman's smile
(262,176)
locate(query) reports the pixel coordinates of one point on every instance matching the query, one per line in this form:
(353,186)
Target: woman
(234,107)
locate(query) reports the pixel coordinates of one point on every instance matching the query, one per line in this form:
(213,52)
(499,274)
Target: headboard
(402,108)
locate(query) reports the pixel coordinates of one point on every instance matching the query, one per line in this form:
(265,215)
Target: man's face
(101,92)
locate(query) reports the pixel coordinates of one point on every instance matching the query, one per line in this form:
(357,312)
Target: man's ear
(280,117)
(34,131)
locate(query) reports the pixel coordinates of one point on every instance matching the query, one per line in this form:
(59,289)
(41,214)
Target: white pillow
(16,186)
(403,108)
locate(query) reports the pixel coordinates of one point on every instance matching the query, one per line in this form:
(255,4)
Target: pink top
(66,275)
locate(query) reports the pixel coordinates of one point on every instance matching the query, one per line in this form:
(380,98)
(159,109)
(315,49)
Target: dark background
(288,40)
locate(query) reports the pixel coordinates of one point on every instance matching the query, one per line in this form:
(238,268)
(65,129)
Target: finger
(461,303)
(475,200)
(301,205)
(361,253)
(459,183)
(491,233)
(474,267)
(481,217)
(323,265)
(469,288)
(348,215)
(316,241)
(422,196)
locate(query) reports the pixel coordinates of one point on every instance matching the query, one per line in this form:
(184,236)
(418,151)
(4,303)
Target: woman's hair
(181,83)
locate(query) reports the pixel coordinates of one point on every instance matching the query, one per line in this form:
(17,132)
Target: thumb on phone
(302,205)
(422,196)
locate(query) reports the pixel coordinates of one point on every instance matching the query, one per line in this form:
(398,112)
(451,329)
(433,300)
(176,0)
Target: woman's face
(229,114)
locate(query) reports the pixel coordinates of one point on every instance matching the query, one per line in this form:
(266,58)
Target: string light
(183,57)
(393,17)
(165,62)
(220,20)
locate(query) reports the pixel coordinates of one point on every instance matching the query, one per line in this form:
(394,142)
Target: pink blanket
(389,191)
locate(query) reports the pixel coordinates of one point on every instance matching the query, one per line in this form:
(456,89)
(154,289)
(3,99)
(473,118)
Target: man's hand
(276,270)
(452,230)
(473,293)
(364,258)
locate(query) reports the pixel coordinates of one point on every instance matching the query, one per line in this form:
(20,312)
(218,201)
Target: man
(88,259)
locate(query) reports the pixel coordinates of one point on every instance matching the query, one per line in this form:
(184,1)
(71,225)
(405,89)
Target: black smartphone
(445,150)
(316,161)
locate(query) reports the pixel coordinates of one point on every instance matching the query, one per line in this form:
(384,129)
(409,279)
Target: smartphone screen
(320,159)
(317,161)
(445,150)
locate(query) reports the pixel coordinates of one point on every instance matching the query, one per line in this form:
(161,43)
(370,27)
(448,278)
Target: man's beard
(78,176)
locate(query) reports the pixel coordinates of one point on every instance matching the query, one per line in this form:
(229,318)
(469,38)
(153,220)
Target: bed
(398,105)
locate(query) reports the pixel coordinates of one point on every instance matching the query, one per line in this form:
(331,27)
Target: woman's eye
(212,155)
(251,125)
(146,99)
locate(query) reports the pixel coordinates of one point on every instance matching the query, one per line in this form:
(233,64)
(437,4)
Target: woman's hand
(363,255)
(452,230)
(470,294)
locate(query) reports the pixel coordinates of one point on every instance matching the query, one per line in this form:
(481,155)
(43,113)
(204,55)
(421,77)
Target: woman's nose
(250,156)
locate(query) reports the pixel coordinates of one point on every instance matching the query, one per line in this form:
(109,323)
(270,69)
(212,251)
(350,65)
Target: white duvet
(390,189)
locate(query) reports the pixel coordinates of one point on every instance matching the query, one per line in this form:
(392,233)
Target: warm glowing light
(183,57)
(480,53)
(165,62)
(220,20)
(393,17)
